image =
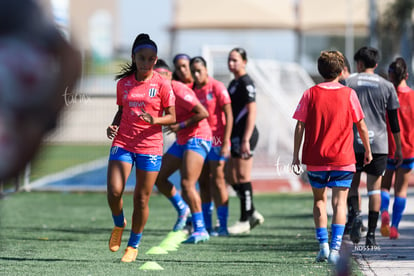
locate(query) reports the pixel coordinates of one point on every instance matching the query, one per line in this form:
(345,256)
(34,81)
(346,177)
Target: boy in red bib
(326,114)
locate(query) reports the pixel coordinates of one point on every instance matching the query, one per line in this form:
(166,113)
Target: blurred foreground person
(37,67)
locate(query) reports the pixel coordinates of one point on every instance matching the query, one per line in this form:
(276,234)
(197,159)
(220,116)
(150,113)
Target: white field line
(70,172)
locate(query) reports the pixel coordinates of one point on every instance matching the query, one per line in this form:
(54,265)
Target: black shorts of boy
(236,143)
(376,167)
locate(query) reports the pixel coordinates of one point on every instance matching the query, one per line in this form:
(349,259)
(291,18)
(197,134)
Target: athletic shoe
(385,224)
(256,219)
(212,232)
(130,255)
(323,253)
(240,227)
(394,233)
(370,241)
(116,237)
(181,220)
(197,237)
(333,257)
(355,233)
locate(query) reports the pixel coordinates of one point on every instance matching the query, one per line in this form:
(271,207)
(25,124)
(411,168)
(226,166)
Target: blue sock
(178,203)
(222,215)
(134,239)
(198,222)
(119,220)
(337,234)
(207,209)
(397,210)
(385,200)
(322,235)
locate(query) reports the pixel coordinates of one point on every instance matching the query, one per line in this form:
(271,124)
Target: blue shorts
(198,145)
(406,164)
(145,162)
(322,179)
(214,155)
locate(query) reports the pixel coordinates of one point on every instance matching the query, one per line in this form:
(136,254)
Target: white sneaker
(323,253)
(333,257)
(240,227)
(256,219)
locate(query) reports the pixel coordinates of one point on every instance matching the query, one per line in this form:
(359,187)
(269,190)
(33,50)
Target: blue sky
(152,16)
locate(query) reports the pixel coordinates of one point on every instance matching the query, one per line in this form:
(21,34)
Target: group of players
(215,139)
(353,124)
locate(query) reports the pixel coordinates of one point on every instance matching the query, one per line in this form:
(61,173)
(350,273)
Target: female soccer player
(398,75)
(214,96)
(182,70)
(146,102)
(186,154)
(244,138)
(326,114)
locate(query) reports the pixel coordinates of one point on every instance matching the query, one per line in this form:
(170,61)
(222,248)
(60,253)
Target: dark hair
(330,64)
(162,64)
(140,42)
(198,59)
(181,56)
(369,56)
(398,69)
(241,52)
(346,64)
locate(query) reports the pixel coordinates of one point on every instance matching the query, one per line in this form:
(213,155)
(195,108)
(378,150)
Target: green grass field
(67,234)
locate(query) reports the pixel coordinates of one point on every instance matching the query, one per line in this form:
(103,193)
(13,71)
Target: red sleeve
(167,95)
(222,94)
(301,112)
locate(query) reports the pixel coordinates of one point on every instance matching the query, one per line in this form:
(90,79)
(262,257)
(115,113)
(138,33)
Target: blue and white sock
(119,219)
(222,215)
(337,234)
(178,203)
(134,239)
(198,222)
(322,235)
(385,200)
(397,210)
(207,209)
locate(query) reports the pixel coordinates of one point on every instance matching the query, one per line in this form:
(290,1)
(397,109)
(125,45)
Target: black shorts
(236,143)
(376,167)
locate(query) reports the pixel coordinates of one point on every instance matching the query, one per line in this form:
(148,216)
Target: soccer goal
(279,88)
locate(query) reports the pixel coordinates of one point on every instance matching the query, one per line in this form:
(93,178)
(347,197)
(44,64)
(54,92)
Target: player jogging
(146,102)
(214,96)
(187,154)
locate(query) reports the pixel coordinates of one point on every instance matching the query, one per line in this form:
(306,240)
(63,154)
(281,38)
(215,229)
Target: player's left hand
(146,116)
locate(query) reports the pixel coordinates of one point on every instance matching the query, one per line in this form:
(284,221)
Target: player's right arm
(112,130)
(299,130)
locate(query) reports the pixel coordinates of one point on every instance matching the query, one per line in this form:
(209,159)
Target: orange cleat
(116,237)
(130,255)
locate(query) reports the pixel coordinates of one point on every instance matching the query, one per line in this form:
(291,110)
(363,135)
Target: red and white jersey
(153,96)
(214,96)
(185,101)
(329,111)
(406,119)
